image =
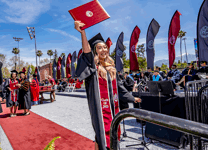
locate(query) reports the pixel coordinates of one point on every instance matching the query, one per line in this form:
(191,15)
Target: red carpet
(34,132)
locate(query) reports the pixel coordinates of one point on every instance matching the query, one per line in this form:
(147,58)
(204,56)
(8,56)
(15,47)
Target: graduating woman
(24,98)
(103,87)
(11,90)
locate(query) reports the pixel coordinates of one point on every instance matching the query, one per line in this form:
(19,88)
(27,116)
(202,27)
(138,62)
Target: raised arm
(85,45)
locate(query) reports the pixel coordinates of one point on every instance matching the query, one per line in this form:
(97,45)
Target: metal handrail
(201,103)
(182,125)
(192,92)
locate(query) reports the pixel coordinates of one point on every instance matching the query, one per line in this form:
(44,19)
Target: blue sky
(55,27)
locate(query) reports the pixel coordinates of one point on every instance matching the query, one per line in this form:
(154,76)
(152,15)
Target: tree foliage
(181,34)
(141,57)
(15,51)
(44,61)
(39,53)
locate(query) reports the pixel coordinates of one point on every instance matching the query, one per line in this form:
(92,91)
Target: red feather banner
(59,68)
(132,49)
(172,36)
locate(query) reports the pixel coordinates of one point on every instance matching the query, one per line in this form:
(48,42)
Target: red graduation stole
(13,92)
(107,111)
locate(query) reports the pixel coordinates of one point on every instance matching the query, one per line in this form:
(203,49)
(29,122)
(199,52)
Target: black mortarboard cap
(14,71)
(203,62)
(21,72)
(94,40)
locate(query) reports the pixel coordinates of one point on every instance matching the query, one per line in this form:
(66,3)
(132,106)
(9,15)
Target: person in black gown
(103,87)
(1,81)
(24,98)
(12,92)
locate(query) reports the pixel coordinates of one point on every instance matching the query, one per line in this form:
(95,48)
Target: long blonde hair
(102,69)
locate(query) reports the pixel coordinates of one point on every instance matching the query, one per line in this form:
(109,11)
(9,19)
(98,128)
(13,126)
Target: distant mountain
(191,57)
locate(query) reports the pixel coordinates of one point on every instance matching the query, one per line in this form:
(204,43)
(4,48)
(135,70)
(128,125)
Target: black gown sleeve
(85,66)
(1,75)
(124,95)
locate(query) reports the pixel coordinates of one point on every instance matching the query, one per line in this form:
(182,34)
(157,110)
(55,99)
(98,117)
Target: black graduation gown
(1,80)
(24,98)
(9,102)
(129,84)
(86,69)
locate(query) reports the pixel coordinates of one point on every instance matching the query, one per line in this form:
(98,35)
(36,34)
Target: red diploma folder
(90,14)
(13,86)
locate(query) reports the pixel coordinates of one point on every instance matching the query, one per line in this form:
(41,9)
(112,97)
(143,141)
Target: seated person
(62,85)
(42,83)
(142,76)
(78,84)
(204,68)
(128,82)
(174,74)
(137,76)
(120,75)
(46,82)
(71,80)
(148,74)
(131,73)
(156,76)
(188,75)
(202,72)
(160,72)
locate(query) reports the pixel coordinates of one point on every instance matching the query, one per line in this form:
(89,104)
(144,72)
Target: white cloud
(106,3)
(55,15)
(25,11)
(64,33)
(2,21)
(63,16)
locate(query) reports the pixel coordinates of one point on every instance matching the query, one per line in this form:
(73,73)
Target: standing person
(24,98)
(53,83)
(34,88)
(103,87)
(3,94)
(12,93)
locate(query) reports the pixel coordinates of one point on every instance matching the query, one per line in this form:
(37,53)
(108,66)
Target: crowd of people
(19,92)
(177,77)
(63,83)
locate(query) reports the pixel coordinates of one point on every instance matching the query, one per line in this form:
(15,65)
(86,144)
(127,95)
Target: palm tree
(15,51)
(50,53)
(39,54)
(181,34)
